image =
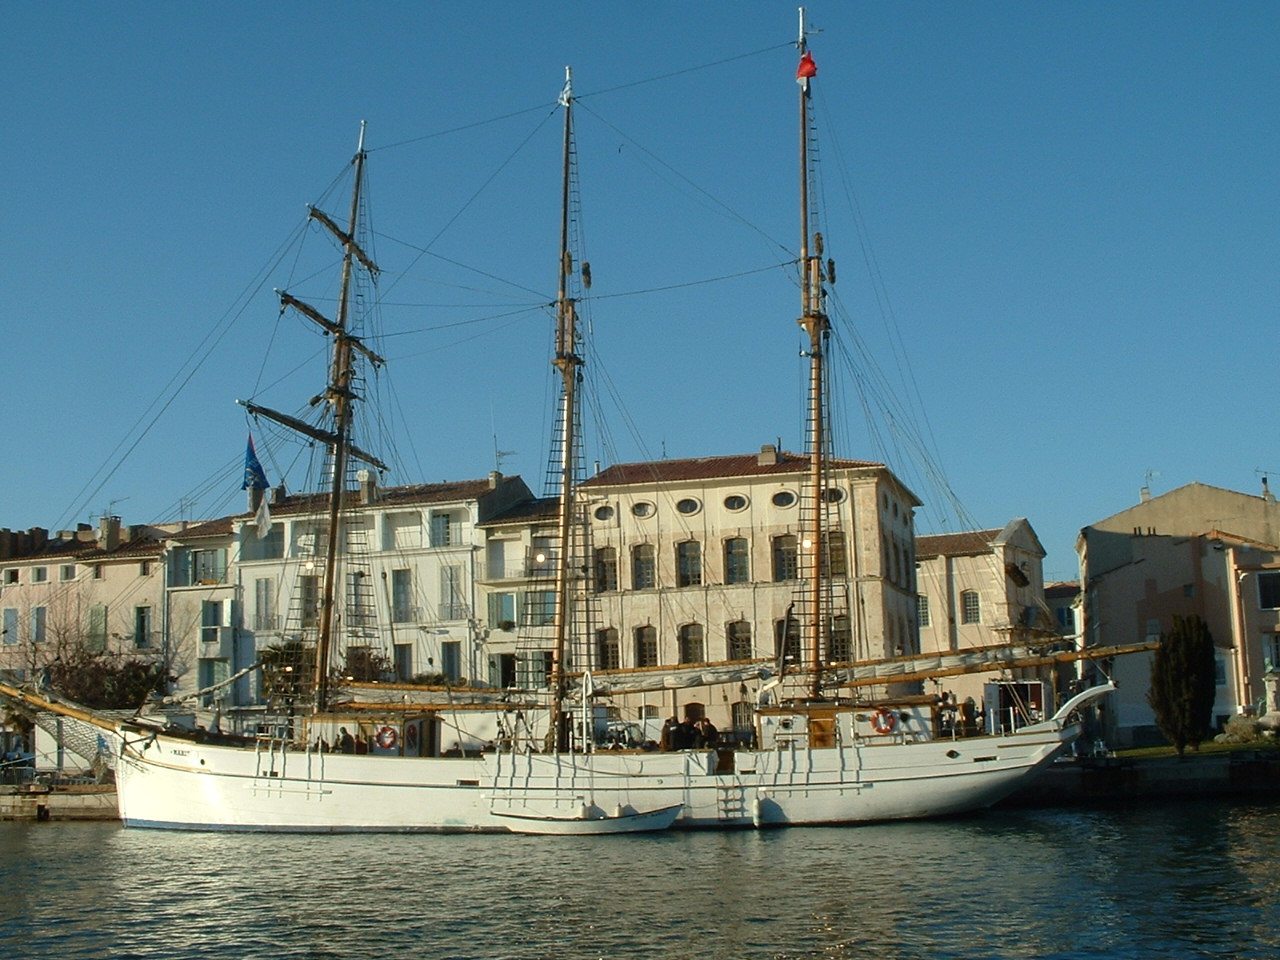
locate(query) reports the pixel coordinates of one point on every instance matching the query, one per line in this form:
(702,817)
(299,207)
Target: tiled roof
(970,543)
(708,468)
(1061,588)
(313,503)
(541,508)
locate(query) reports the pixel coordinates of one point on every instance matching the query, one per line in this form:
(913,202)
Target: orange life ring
(385,737)
(882,721)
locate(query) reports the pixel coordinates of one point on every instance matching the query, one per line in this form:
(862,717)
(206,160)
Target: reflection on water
(1197,879)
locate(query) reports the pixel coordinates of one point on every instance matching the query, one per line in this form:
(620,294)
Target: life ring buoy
(883,721)
(385,737)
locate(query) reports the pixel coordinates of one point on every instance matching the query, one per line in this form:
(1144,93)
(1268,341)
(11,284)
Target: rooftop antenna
(498,455)
(1145,492)
(110,511)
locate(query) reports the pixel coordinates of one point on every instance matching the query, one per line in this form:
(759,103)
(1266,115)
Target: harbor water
(1187,879)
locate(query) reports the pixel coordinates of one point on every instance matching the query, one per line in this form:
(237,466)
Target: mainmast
(568,363)
(340,395)
(814,321)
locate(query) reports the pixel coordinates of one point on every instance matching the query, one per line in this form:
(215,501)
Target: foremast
(568,363)
(818,612)
(340,395)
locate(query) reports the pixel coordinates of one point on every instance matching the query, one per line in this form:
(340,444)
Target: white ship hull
(174,783)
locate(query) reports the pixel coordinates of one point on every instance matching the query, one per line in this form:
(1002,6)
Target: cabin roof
(969,543)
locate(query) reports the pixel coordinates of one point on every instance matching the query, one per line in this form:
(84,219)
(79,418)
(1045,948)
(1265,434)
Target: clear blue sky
(1064,254)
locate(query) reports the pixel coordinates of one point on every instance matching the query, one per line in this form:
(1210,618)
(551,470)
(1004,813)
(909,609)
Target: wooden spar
(327,437)
(55,706)
(567,362)
(339,396)
(815,324)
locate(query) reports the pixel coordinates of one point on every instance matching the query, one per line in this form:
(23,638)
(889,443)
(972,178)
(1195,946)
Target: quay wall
(35,801)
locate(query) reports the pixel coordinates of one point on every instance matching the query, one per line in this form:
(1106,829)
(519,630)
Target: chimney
(495,478)
(6,543)
(368,486)
(109,533)
(1267,495)
(768,455)
(1144,494)
(39,537)
(279,494)
(85,533)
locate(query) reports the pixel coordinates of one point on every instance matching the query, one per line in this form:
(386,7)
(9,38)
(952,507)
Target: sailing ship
(813,759)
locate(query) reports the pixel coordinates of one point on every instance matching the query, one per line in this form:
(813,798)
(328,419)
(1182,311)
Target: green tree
(105,681)
(1182,683)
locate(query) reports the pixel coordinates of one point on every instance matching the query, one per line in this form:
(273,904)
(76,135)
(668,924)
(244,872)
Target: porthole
(735,502)
(784,498)
(688,506)
(642,508)
(604,512)
(833,495)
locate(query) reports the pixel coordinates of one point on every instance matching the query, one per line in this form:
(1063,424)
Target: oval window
(735,502)
(688,506)
(604,513)
(833,495)
(642,508)
(784,498)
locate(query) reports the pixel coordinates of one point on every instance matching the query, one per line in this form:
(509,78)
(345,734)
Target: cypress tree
(1182,683)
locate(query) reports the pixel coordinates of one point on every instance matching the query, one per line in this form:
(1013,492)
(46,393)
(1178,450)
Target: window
(737,561)
(99,571)
(784,558)
(646,646)
(541,556)
(970,607)
(642,508)
(738,633)
(444,530)
(264,604)
(786,638)
(96,637)
(451,659)
(39,574)
(835,558)
(743,716)
(1271,652)
(604,512)
(533,669)
(207,566)
(403,659)
(1269,591)
(142,627)
(212,671)
(1188,589)
(688,506)
(309,594)
(608,652)
(67,572)
(10,625)
(643,571)
(839,641)
(784,498)
(606,569)
(922,610)
(270,547)
(735,502)
(688,564)
(833,495)
(211,621)
(540,606)
(1066,618)
(402,531)
(144,567)
(453,604)
(39,619)
(502,611)
(402,596)
(11,576)
(691,646)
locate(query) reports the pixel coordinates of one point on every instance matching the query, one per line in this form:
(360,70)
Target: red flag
(807,67)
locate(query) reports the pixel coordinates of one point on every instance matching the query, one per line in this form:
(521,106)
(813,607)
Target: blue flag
(254,476)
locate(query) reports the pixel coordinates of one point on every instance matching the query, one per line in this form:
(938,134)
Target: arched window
(646,646)
(738,634)
(691,646)
(970,607)
(608,652)
(835,559)
(737,561)
(786,637)
(688,563)
(606,569)
(784,558)
(643,571)
(839,641)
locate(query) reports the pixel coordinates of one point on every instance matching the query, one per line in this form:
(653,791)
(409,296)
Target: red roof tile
(969,543)
(708,468)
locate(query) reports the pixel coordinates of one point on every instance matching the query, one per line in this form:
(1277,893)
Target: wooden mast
(339,394)
(568,363)
(814,321)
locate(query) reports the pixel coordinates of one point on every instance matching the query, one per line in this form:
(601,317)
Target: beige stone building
(1198,550)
